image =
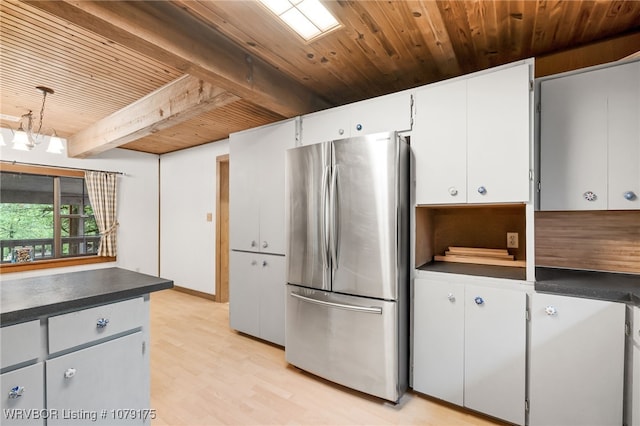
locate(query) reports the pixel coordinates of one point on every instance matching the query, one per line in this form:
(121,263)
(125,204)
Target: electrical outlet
(512,240)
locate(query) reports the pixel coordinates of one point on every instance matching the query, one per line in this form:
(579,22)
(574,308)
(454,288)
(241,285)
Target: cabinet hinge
(538,108)
(144,347)
(539,186)
(627,328)
(526,405)
(412,112)
(526,315)
(531,85)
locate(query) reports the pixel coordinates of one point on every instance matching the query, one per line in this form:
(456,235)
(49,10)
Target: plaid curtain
(102,194)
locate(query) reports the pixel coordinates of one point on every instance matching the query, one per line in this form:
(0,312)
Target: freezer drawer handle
(365,309)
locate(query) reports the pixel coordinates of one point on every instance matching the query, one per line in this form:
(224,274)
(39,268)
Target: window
(45,215)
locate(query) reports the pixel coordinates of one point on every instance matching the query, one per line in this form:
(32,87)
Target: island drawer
(20,343)
(88,325)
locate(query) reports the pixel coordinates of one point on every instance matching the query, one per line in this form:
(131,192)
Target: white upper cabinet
(471,139)
(439,143)
(256,187)
(590,140)
(498,136)
(381,114)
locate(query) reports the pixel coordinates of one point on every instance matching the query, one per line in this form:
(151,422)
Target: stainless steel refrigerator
(347,307)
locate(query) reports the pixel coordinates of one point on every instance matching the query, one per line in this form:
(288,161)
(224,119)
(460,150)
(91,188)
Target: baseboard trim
(196,293)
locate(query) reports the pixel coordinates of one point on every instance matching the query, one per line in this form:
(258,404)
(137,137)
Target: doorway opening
(222,229)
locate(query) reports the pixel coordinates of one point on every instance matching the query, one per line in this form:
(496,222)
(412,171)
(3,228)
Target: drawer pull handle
(629,195)
(482,190)
(479,300)
(551,310)
(16,392)
(102,322)
(590,196)
(69,373)
(451,297)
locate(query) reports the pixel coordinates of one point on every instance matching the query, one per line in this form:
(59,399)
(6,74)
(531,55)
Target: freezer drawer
(349,340)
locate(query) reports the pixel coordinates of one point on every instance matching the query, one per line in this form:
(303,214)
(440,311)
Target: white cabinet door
(439,144)
(274,141)
(623,116)
(244,295)
(382,114)
(330,124)
(495,352)
(576,361)
(634,370)
(498,136)
(272,282)
(257,295)
(244,201)
(103,384)
(256,187)
(23,396)
(573,142)
(438,340)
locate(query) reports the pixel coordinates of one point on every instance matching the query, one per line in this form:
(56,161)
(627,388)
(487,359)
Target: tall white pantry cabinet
(256,226)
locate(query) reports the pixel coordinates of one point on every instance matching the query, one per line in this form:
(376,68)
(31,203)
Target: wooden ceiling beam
(169,34)
(174,103)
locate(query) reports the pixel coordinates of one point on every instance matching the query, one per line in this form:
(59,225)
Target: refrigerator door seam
(356,308)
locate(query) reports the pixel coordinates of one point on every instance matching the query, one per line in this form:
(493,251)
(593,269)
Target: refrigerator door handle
(325,217)
(356,308)
(335,223)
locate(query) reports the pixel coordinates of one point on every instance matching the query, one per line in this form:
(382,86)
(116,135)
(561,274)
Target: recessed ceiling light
(308,18)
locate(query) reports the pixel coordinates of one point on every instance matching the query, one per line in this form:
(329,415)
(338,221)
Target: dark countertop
(507,272)
(30,298)
(590,284)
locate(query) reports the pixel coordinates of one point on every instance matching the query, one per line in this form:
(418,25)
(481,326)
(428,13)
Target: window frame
(48,263)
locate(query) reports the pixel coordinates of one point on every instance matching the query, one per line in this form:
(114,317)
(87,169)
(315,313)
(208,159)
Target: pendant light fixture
(26,137)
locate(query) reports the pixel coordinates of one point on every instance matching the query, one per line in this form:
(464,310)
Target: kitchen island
(75,348)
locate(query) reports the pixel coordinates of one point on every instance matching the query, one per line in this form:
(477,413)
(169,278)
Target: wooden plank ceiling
(101,57)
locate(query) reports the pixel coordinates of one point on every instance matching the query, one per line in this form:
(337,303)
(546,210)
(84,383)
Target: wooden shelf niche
(441,227)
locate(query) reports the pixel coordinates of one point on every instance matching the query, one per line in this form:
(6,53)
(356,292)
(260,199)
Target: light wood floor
(204,373)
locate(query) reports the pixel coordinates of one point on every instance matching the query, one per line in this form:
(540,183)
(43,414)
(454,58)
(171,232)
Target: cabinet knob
(264,244)
(482,190)
(629,195)
(590,196)
(358,127)
(341,131)
(69,373)
(451,297)
(264,263)
(453,191)
(16,392)
(551,310)
(479,300)
(253,243)
(102,322)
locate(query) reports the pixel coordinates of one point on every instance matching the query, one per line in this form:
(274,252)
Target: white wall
(187,194)
(138,243)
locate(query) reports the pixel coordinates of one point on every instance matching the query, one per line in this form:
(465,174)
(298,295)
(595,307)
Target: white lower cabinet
(100,384)
(633,363)
(23,396)
(91,368)
(469,346)
(257,295)
(576,361)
